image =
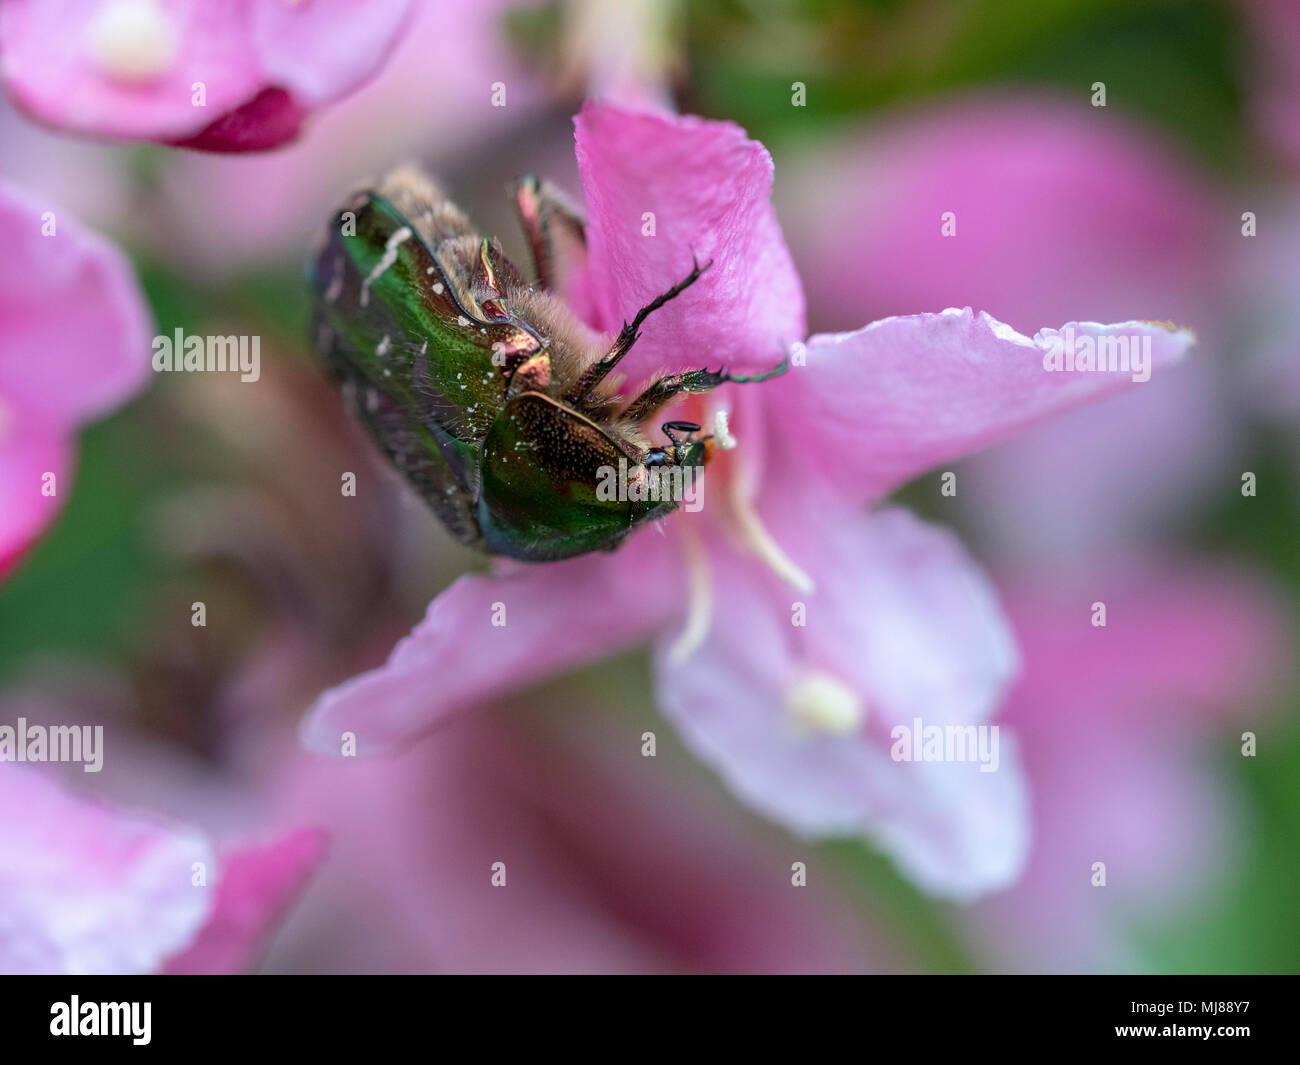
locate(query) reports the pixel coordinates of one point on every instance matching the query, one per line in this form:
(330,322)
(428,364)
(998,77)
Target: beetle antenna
(750,378)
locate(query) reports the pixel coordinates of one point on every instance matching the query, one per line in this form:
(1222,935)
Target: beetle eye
(657,456)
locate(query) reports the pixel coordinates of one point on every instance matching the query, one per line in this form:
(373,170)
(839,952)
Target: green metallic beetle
(483,390)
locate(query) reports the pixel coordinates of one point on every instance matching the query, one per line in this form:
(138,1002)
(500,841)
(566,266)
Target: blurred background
(205,489)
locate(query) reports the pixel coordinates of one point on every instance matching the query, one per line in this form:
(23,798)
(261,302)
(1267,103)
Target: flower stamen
(133,40)
(721,434)
(699,603)
(760,541)
(817,702)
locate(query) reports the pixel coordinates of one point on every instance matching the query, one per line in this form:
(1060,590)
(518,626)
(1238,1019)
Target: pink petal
(904,620)
(1144,470)
(708,187)
(70,79)
(74,328)
(327,48)
(85,888)
(557,615)
(258,881)
(874,408)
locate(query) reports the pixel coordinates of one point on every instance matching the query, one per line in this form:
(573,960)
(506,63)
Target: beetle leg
(543,211)
(597,371)
(671,429)
(666,388)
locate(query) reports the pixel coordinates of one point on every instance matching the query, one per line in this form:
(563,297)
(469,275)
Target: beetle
(484,390)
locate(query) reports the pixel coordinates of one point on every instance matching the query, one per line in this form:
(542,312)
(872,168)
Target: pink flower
(73,345)
(1122,730)
(88,888)
(195,73)
(905,624)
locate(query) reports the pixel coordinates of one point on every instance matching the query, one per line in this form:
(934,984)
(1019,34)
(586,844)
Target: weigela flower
(794,631)
(194,73)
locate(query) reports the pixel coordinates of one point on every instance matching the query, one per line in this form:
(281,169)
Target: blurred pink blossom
(613,862)
(1275,70)
(1061,212)
(797,726)
(1122,727)
(89,888)
(431,101)
(203,74)
(74,344)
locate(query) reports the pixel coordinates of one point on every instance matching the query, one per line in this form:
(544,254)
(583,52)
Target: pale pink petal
(128,69)
(903,620)
(258,882)
(1144,469)
(86,888)
(325,49)
(704,187)
(874,408)
(555,616)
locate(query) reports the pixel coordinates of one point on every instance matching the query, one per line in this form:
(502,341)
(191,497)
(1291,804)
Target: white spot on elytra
(461,320)
(437,288)
(389,257)
(384,346)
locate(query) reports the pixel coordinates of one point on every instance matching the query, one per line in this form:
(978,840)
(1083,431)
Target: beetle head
(550,482)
